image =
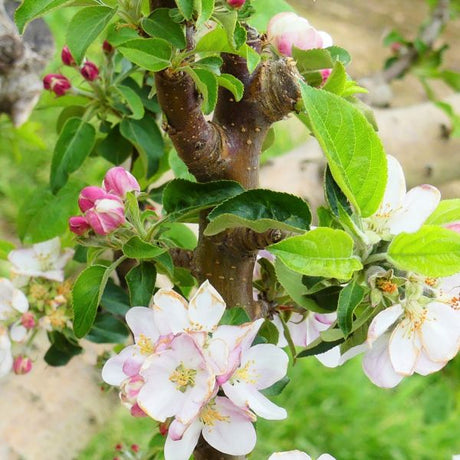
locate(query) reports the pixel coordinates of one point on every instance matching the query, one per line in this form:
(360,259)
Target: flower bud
(119,447)
(57,83)
(236,3)
(78,225)
(106,216)
(28,320)
(89,196)
(455,226)
(22,365)
(286,30)
(119,182)
(66,56)
(135,448)
(136,411)
(89,71)
(325,75)
(107,48)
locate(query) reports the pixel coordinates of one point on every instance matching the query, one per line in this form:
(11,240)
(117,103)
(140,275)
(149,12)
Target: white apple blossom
(224,426)
(12,300)
(6,358)
(297,455)
(400,211)
(44,260)
(411,337)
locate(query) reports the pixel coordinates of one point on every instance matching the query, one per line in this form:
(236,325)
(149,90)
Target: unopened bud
(119,182)
(236,3)
(107,47)
(28,320)
(22,365)
(119,446)
(79,225)
(89,71)
(57,83)
(134,447)
(66,56)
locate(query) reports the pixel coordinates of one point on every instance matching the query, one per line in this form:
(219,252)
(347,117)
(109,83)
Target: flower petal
(383,321)
(113,371)
(289,455)
(170,310)
(396,187)
(141,320)
(404,348)
(426,366)
(183,448)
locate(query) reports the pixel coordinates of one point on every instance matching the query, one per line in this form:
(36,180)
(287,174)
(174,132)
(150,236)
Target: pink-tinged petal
(326,39)
(18,333)
(426,366)
(112,372)
(417,206)
(217,353)
(264,364)
(404,348)
(141,321)
(183,449)
(290,455)
(384,320)
(301,329)
(206,308)
(440,332)
(170,310)
(119,181)
(233,424)
(377,364)
(330,358)
(89,196)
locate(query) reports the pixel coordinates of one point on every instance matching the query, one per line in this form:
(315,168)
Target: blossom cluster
(36,297)
(194,376)
(103,207)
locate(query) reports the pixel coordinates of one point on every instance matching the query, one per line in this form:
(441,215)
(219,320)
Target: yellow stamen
(209,415)
(183,377)
(244,374)
(145,345)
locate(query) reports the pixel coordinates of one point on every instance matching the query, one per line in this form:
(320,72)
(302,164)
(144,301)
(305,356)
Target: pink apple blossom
(119,182)
(286,30)
(12,300)
(57,83)
(79,225)
(22,365)
(106,216)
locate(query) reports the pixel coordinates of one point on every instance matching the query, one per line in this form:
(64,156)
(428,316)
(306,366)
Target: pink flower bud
(107,47)
(106,216)
(236,3)
(325,74)
(89,71)
(455,226)
(66,56)
(89,196)
(57,83)
(135,448)
(119,182)
(78,225)
(22,365)
(119,447)
(28,320)
(136,411)
(286,30)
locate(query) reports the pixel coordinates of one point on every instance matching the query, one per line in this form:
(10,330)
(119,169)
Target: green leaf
(133,100)
(228,20)
(235,316)
(277,388)
(32,9)
(115,299)
(146,137)
(319,346)
(114,147)
(159,24)
(44,215)
(206,82)
(211,63)
(72,111)
(84,28)
(5,248)
(135,248)
(269,332)
(260,210)
(205,11)
(311,60)
(74,144)
(184,199)
(86,295)
(141,283)
(149,53)
(432,251)
(117,34)
(448,211)
(62,349)
(350,297)
(235,86)
(337,80)
(353,150)
(179,235)
(335,198)
(107,329)
(320,252)
(186,8)
(339,54)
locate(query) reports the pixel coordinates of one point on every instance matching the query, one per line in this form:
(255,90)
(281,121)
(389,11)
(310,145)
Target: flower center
(386,285)
(183,377)
(245,374)
(416,315)
(455,302)
(210,415)
(145,345)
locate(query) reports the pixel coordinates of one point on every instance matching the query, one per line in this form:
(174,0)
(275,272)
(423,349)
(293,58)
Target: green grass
(341,412)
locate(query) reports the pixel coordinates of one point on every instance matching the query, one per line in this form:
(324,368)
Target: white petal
(183,449)
(282,342)
(377,364)
(217,354)
(206,308)
(330,358)
(112,372)
(6,362)
(170,312)
(301,329)
(25,261)
(425,366)
(383,321)
(18,333)
(141,320)
(404,348)
(48,249)
(326,38)
(233,432)
(19,301)
(354,351)
(440,332)
(326,457)
(289,455)
(416,207)
(396,186)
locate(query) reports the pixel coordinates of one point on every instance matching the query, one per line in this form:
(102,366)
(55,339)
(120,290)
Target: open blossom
(119,181)
(12,300)
(286,30)
(224,426)
(411,337)
(43,260)
(6,358)
(57,83)
(297,455)
(400,211)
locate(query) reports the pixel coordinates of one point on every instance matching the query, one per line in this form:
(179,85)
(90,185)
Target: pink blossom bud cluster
(195,377)
(236,3)
(103,207)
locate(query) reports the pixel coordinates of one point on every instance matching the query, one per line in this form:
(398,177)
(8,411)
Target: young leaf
(206,82)
(107,329)
(146,137)
(32,9)
(116,35)
(186,8)
(115,300)
(133,100)
(74,144)
(205,11)
(260,210)
(231,83)
(5,248)
(321,252)
(141,283)
(353,149)
(448,211)
(432,251)
(350,297)
(149,53)
(337,80)
(311,60)
(135,248)
(159,24)
(62,349)
(84,28)
(179,235)
(86,295)
(235,316)
(184,199)
(114,148)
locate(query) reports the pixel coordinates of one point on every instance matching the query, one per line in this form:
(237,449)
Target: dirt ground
(51,413)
